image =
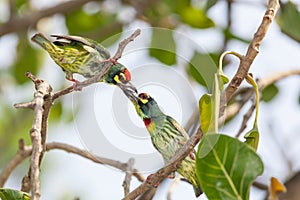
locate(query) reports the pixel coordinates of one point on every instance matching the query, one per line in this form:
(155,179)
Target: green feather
(80,55)
(167,137)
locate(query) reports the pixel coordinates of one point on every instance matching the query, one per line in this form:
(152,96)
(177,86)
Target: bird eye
(143,95)
(122,77)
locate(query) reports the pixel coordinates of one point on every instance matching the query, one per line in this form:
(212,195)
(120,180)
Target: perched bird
(167,135)
(84,56)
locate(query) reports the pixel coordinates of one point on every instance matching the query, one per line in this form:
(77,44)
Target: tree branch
(247,93)
(246,118)
(262,83)
(128,175)
(22,153)
(253,50)
(25,151)
(43,90)
(169,168)
(20,24)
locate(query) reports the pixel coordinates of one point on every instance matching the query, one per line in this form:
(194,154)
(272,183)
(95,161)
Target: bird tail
(197,191)
(41,40)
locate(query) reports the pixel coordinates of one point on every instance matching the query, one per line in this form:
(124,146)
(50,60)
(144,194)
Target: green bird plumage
(80,55)
(167,136)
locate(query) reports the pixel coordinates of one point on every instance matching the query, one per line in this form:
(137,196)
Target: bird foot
(192,155)
(171,176)
(76,85)
(148,180)
(114,61)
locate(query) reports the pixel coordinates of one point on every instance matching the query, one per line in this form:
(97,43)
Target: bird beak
(130,91)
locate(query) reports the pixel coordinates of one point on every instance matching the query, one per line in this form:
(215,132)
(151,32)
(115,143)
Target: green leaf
(216,98)
(163,46)
(288,20)
(10,194)
(202,68)
(93,25)
(206,112)
(229,36)
(226,167)
(176,6)
(27,59)
(224,79)
(81,21)
(20,3)
(109,40)
(252,137)
(210,3)
(195,17)
(269,92)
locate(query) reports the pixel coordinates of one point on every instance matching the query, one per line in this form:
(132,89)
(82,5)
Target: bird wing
(74,38)
(178,127)
(85,41)
(183,134)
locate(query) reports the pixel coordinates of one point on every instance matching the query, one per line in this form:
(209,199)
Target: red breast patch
(147,122)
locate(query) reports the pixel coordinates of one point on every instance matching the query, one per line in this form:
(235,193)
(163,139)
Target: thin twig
(246,118)
(97,159)
(128,175)
(234,108)
(260,185)
(173,186)
(253,50)
(169,168)
(22,153)
(25,151)
(12,9)
(228,24)
(276,77)
(264,83)
(106,67)
(29,105)
(247,93)
(19,24)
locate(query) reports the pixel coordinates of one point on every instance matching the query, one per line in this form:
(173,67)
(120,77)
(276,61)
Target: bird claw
(171,176)
(114,61)
(76,85)
(192,155)
(148,180)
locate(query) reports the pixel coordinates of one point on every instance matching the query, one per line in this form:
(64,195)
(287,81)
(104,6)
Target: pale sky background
(100,110)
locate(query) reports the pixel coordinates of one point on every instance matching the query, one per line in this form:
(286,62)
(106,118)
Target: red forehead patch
(127,75)
(143,96)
